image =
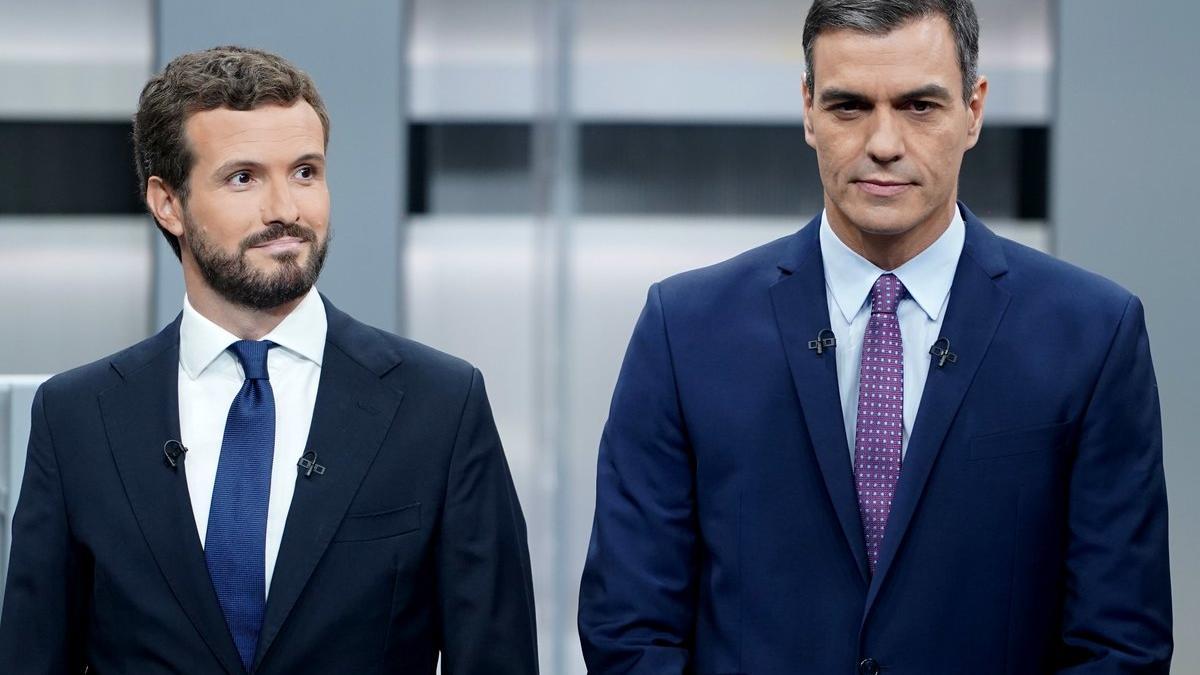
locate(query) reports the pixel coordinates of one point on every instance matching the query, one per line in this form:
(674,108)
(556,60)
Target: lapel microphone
(825,340)
(308,463)
(173,451)
(941,351)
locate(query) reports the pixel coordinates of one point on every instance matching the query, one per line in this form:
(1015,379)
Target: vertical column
(9,484)
(355,53)
(1124,160)
(555,184)
(16,398)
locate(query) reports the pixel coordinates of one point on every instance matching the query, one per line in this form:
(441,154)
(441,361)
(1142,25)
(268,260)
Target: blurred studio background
(508,177)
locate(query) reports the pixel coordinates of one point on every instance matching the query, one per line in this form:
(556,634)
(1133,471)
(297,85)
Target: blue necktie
(235,545)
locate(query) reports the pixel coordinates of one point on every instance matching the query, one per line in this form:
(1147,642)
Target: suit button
(868,666)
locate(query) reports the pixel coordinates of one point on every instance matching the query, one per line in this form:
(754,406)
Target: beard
(234,278)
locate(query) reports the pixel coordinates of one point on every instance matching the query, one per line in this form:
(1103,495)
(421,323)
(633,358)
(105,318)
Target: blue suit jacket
(1029,529)
(410,542)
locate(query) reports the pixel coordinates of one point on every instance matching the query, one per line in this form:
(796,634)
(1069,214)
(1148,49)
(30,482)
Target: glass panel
(72,289)
(74,59)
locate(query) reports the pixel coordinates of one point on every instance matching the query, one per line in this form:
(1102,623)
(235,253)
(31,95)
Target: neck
(887,251)
(246,323)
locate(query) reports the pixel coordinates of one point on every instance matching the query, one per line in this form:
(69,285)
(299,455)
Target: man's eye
(848,106)
(305,172)
(240,178)
(921,106)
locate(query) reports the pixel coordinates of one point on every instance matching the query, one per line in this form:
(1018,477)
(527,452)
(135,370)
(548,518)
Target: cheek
(834,164)
(940,163)
(837,150)
(941,147)
(314,208)
(222,222)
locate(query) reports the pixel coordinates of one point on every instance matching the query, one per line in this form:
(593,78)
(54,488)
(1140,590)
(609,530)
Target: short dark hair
(880,17)
(221,77)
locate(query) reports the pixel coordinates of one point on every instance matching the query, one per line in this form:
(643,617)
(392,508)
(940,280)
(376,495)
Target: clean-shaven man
(267,485)
(892,442)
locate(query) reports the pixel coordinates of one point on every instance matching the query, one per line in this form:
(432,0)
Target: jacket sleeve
(637,601)
(45,606)
(485,583)
(1117,596)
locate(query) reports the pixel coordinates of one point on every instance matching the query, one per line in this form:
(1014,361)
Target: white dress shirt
(848,281)
(209,379)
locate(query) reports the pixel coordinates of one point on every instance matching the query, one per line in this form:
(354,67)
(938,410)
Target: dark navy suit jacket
(1029,529)
(410,542)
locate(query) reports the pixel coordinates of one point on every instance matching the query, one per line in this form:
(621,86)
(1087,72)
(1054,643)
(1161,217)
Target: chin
(273,260)
(287,258)
(881,220)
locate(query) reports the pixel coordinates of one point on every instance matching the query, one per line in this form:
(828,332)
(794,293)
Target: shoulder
(422,357)
(729,283)
(407,362)
(758,262)
(1062,287)
(85,382)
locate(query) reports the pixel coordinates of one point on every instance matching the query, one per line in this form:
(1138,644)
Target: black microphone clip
(309,463)
(825,340)
(941,351)
(173,451)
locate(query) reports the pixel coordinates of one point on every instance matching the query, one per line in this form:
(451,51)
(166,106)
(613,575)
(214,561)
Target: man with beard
(267,485)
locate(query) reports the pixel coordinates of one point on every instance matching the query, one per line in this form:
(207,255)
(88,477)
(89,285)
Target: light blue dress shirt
(848,281)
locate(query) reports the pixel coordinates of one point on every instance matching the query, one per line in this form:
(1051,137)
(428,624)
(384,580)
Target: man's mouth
(882,188)
(280,245)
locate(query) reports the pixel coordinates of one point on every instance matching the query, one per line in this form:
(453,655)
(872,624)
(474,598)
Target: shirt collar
(301,332)
(927,277)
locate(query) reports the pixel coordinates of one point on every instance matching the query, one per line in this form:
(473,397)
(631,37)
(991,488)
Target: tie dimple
(253,355)
(886,294)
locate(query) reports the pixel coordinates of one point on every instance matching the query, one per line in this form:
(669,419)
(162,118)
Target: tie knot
(253,355)
(886,294)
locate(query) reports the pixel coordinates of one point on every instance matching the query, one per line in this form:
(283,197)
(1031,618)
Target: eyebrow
(833,95)
(934,91)
(236,164)
(310,157)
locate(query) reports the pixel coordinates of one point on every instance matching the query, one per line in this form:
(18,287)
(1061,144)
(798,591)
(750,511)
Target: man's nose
(279,204)
(886,142)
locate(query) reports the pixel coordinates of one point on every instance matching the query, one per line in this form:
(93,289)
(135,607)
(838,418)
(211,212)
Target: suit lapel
(140,415)
(801,312)
(353,412)
(977,303)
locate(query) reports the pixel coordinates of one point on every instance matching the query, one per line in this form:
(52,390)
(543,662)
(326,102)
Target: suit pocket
(381,525)
(1040,438)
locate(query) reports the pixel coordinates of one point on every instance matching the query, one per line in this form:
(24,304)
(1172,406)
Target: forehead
(916,53)
(261,133)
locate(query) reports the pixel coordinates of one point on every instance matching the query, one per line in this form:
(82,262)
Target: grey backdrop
(1125,159)
(356,58)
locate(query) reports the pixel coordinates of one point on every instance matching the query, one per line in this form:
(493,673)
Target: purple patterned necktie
(878,431)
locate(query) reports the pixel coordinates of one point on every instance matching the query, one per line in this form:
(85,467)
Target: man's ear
(975,110)
(165,205)
(806,89)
